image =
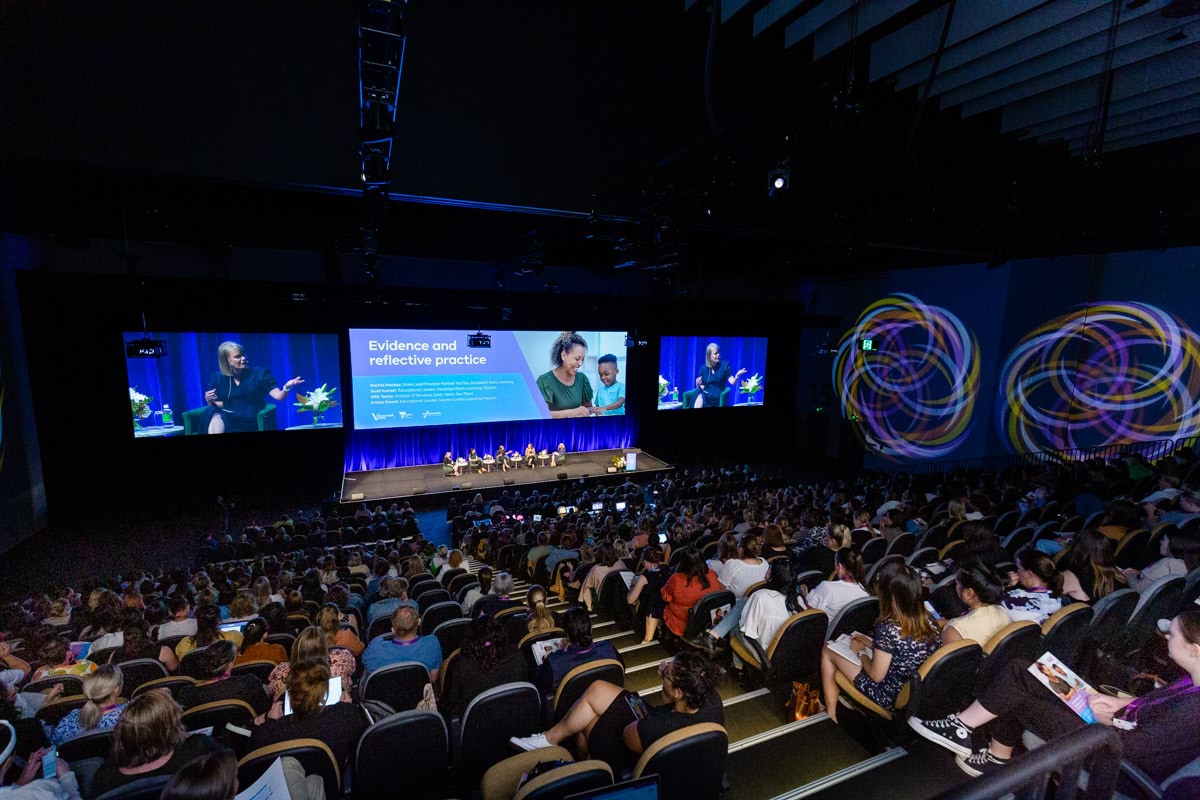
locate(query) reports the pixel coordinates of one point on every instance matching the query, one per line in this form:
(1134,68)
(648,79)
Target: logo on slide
(405,415)
(428,414)
(381,417)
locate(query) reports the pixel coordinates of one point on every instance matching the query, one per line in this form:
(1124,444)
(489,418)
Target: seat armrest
(1145,784)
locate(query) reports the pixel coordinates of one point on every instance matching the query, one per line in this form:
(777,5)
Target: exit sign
(866,345)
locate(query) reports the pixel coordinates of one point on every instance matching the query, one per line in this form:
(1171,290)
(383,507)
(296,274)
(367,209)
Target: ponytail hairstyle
(852,562)
(539,618)
(102,684)
(254,632)
(782,578)
(840,535)
(329,620)
(1042,565)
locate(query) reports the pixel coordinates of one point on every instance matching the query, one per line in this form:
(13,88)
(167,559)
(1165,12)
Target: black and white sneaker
(981,763)
(948,732)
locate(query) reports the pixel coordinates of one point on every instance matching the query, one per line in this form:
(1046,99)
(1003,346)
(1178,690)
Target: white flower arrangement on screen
(752,385)
(316,402)
(664,386)
(139,406)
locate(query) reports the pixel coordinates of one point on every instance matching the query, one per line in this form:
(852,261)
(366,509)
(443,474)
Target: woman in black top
(339,725)
(648,588)
(488,659)
(215,664)
(715,376)
(235,393)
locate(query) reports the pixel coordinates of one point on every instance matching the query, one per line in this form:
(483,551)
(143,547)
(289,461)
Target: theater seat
(313,754)
(857,615)
(690,762)
(172,684)
(91,744)
(400,685)
(795,652)
(502,780)
(1064,631)
(491,719)
(418,737)
(700,615)
(260,668)
(576,682)
(1016,640)
(141,789)
(525,646)
(569,779)
(218,714)
(53,712)
(941,686)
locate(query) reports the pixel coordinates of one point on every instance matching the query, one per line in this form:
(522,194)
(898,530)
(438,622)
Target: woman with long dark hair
(981,590)
(904,637)
(1090,568)
(647,587)
(770,607)
(691,581)
(488,659)
(847,585)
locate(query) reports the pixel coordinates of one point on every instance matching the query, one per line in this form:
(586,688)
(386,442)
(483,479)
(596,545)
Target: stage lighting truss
(381,40)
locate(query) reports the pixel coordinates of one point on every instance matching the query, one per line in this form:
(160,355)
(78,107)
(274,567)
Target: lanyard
(1179,688)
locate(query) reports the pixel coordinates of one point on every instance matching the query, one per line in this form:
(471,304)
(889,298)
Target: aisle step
(640,657)
(791,756)
(755,716)
(922,768)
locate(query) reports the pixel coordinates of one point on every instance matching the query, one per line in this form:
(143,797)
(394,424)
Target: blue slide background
(682,357)
(178,378)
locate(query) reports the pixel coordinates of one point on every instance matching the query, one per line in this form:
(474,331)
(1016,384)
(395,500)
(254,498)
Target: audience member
(846,586)
(208,630)
(580,649)
(216,682)
(102,689)
(404,644)
(312,644)
(256,648)
(488,659)
(1039,590)
(981,590)
(683,590)
(647,588)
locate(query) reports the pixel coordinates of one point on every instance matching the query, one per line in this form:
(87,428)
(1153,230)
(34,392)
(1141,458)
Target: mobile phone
(662,538)
(637,705)
(50,763)
(932,611)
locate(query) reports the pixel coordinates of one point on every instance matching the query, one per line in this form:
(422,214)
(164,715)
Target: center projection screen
(414,378)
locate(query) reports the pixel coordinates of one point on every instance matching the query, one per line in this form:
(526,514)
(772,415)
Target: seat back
(810,578)
(611,599)
(171,683)
(91,744)
(491,719)
(1021,639)
(313,754)
(502,779)
(895,558)
(690,762)
(460,593)
(1150,550)
(188,664)
(71,684)
(103,655)
(1109,615)
(1020,537)
(400,685)
(141,789)
(576,682)
(701,615)
(380,626)
(431,598)
(874,550)
(137,671)
(1005,524)
(284,640)
(902,545)
(1159,600)
(1064,631)
(922,556)
(795,653)
(218,714)
(457,583)
(857,615)
(558,783)
(451,633)
(943,684)
(943,596)
(417,737)
(416,591)
(1129,550)
(260,668)
(438,613)
(53,712)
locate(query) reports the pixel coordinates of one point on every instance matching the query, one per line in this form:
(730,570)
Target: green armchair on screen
(689,397)
(194,419)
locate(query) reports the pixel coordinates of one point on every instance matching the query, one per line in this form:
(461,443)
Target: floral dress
(341,664)
(907,655)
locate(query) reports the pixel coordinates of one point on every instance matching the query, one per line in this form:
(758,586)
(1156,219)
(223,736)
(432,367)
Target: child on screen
(610,397)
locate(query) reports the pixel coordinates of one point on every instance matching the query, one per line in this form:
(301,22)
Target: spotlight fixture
(778,180)
(479,339)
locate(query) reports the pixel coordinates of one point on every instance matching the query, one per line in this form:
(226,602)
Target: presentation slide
(411,378)
(711,372)
(192,384)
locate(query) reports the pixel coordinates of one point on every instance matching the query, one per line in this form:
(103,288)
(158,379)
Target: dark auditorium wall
(1133,360)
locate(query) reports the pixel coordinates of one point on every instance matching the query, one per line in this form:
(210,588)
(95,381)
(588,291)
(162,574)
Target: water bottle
(166,416)
(674,394)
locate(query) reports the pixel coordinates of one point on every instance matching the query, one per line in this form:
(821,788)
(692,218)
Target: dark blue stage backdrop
(681,358)
(387,449)
(179,378)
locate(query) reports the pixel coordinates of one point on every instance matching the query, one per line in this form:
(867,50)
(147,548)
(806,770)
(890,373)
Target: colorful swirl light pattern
(1110,373)
(914,394)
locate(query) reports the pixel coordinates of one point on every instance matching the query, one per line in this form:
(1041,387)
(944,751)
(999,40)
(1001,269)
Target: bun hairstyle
(564,343)
(852,561)
(102,684)
(983,580)
(751,547)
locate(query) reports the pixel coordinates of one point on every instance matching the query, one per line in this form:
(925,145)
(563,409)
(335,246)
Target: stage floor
(405,482)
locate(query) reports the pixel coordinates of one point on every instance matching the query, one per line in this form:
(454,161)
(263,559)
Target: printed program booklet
(1066,685)
(841,646)
(546,647)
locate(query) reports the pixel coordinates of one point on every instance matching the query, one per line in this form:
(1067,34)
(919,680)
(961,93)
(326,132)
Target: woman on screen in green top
(567,391)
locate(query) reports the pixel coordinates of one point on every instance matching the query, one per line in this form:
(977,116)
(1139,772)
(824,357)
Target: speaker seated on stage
(530,456)
(449,468)
(474,462)
(503,460)
(559,456)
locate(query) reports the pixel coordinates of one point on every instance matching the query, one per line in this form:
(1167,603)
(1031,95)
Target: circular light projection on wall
(912,394)
(1111,373)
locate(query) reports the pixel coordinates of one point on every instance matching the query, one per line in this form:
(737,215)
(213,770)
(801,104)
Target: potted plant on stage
(139,405)
(751,387)
(317,402)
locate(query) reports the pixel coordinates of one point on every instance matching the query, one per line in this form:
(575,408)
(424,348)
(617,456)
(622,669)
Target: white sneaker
(535,742)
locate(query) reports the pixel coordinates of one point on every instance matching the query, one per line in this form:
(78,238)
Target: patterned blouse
(69,727)
(341,663)
(907,656)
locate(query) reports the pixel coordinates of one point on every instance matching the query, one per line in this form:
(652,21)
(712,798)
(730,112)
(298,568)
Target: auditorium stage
(405,482)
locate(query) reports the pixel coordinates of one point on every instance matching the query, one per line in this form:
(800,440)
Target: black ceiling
(231,123)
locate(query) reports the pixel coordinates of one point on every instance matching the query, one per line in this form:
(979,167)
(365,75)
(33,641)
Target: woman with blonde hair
(714,378)
(244,607)
(453,561)
(539,618)
(310,644)
(329,620)
(149,741)
(102,710)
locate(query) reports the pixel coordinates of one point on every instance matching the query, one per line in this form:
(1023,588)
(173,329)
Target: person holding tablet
(714,377)
(566,391)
